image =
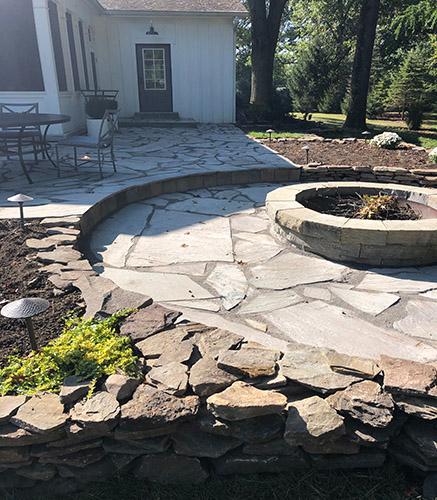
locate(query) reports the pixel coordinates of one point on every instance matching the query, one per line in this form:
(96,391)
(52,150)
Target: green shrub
(88,349)
(95,107)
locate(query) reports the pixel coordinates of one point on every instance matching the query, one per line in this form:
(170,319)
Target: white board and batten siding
(202,59)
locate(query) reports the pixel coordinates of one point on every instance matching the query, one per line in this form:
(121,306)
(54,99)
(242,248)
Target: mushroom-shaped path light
(26,309)
(306,148)
(366,135)
(21,200)
(270,131)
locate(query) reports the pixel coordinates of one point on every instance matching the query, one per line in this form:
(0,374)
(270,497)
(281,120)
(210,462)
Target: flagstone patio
(210,254)
(143,155)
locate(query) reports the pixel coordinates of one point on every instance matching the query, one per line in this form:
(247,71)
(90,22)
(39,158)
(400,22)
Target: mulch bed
(19,278)
(351,153)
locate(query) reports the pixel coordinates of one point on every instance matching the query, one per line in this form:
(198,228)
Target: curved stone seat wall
(209,402)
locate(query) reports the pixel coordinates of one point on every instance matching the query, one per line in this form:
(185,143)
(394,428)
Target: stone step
(133,122)
(157,115)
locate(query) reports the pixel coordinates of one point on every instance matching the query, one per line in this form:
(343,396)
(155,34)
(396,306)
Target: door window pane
(154,69)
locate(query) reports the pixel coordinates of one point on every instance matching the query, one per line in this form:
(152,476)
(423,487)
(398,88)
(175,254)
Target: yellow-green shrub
(88,349)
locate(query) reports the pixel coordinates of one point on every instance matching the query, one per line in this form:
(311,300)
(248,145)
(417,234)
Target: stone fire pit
(378,243)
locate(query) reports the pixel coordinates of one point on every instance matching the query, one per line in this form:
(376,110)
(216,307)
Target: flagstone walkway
(210,254)
(143,155)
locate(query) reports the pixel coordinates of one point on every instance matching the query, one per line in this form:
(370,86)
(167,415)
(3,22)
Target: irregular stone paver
(269,301)
(212,206)
(370,303)
(163,287)
(241,401)
(148,321)
(254,248)
(213,343)
(311,420)
(249,223)
(113,239)
(420,321)
(9,406)
(309,367)
(153,408)
(338,330)
(229,281)
(290,269)
(364,401)
(206,377)
(155,345)
(393,281)
(41,414)
(101,410)
(407,377)
(248,361)
(175,237)
(317,293)
(121,386)
(171,378)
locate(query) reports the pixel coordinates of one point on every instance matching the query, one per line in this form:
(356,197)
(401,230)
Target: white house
(162,55)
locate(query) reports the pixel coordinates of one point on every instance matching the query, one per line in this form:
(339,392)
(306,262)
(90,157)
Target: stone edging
(381,243)
(320,173)
(211,403)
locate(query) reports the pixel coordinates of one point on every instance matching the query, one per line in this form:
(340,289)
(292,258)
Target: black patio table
(20,121)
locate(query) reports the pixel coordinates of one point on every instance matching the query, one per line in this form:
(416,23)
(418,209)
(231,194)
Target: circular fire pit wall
(388,243)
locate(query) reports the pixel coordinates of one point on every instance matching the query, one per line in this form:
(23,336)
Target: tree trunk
(265,24)
(356,117)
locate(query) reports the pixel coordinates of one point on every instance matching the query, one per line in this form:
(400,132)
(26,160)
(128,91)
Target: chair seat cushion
(80,141)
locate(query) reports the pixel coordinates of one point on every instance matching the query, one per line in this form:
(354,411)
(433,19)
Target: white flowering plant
(386,140)
(433,155)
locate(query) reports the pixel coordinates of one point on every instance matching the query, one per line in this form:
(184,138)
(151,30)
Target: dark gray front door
(154,77)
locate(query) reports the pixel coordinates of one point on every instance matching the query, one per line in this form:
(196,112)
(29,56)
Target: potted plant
(95,108)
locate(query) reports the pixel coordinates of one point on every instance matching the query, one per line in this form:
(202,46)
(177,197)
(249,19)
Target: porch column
(48,66)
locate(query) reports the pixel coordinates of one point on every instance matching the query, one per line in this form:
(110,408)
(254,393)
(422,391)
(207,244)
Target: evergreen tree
(307,82)
(413,85)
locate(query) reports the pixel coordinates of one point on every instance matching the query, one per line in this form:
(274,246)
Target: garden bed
(19,278)
(348,152)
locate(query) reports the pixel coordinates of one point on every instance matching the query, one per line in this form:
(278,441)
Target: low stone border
(320,173)
(382,243)
(208,401)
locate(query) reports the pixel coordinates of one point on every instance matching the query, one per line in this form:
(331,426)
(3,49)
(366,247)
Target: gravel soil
(351,153)
(19,278)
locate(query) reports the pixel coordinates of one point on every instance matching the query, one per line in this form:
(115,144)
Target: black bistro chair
(103,144)
(30,137)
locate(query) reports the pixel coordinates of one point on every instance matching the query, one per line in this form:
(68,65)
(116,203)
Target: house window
(57,46)
(94,69)
(82,46)
(154,69)
(73,54)
(20,64)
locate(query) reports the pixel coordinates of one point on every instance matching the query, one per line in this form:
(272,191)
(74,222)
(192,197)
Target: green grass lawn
(332,123)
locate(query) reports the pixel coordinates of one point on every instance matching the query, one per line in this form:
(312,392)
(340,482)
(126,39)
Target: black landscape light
(21,199)
(366,135)
(307,152)
(26,309)
(270,131)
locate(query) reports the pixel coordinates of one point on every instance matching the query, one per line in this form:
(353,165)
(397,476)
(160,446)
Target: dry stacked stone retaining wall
(208,402)
(416,177)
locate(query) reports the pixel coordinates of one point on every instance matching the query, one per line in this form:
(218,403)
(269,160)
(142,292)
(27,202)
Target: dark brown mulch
(351,153)
(19,278)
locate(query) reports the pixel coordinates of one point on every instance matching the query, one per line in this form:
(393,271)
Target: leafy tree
(265,18)
(356,116)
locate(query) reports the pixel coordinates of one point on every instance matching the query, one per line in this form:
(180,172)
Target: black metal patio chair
(102,144)
(31,136)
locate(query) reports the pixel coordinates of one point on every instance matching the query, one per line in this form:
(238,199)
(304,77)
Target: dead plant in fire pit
(384,207)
